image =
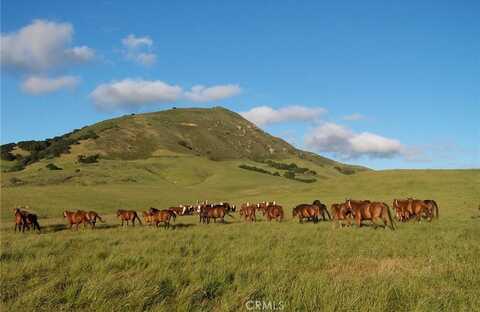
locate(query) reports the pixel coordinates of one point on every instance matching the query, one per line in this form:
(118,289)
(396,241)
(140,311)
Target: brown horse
(274,212)
(20,220)
(306,211)
(147,217)
(75,218)
(402,209)
(406,209)
(163,216)
(341,213)
(92,217)
(323,211)
(214,213)
(248,212)
(128,215)
(373,211)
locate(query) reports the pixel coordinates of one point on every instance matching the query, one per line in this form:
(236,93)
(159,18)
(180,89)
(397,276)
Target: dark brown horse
(25,220)
(373,211)
(92,217)
(274,212)
(128,215)
(248,212)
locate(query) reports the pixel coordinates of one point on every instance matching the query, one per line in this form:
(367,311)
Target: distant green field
(225,267)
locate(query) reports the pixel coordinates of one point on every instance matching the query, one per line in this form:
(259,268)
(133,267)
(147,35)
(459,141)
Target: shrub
(17,167)
(88,159)
(344,170)
(289,174)
(51,166)
(6,151)
(184,144)
(253,168)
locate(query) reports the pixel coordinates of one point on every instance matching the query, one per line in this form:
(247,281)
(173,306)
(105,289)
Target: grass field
(225,267)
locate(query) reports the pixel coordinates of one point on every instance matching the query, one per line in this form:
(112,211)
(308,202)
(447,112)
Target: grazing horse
(147,217)
(128,215)
(341,213)
(366,210)
(406,209)
(213,213)
(248,212)
(322,210)
(306,211)
(274,212)
(163,216)
(264,205)
(402,209)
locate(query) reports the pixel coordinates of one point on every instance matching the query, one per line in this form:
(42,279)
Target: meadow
(225,267)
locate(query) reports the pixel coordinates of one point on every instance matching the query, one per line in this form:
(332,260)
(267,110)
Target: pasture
(222,267)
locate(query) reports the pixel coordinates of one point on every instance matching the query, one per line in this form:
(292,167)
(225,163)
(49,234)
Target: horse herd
(344,214)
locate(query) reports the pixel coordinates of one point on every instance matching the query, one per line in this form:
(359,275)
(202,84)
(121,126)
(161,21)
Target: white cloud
(353,117)
(264,115)
(80,54)
(133,42)
(40,85)
(201,93)
(133,50)
(134,92)
(146,59)
(40,46)
(130,93)
(346,144)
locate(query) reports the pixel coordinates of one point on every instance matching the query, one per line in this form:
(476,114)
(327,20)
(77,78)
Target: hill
(215,134)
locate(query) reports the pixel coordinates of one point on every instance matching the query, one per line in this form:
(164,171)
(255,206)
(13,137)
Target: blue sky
(387,85)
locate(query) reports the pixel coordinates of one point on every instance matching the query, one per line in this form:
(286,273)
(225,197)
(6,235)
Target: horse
(402,210)
(274,212)
(147,217)
(341,214)
(214,213)
(248,212)
(322,210)
(306,211)
(75,218)
(20,220)
(92,217)
(163,216)
(366,210)
(128,215)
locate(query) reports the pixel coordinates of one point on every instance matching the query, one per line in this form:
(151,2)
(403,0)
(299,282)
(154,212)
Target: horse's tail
(136,216)
(328,213)
(99,218)
(435,206)
(389,216)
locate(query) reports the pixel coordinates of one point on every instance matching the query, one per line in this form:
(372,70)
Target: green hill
(140,142)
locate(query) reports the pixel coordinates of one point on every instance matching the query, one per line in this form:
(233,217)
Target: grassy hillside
(221,267)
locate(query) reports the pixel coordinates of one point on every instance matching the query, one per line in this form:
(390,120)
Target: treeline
(287,174)
(46,149)
(292,167)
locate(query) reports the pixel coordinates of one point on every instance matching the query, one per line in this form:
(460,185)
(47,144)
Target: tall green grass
(220,267)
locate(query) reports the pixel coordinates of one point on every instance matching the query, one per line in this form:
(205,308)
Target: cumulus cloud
(133,42)
(346,144)
(135,50)
(354,117)
(40,85)
(264,115)
(201,93)
(40,47)
(131,93)
(80,54)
